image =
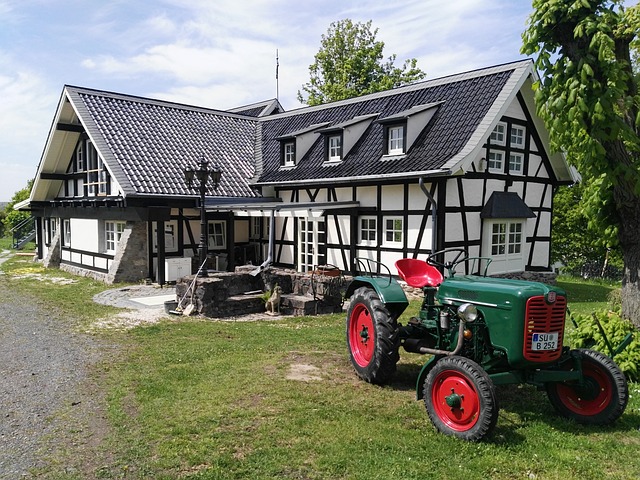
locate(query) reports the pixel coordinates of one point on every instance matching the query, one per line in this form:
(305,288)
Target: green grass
(57,289)
(195,399)
(586,296)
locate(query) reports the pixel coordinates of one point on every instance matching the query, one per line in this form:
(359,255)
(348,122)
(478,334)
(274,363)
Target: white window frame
(495,164)
(289,154)
(256,227)
(368,230)
(516,163)
(80,157)
(217,234)
(499,134)
(96,176)
(66,232)
(112,233)
(506,238)
(334,148)
(517,137)
(395,140)
(393,230)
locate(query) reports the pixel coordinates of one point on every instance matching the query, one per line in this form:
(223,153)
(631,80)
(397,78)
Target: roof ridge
(154,101)
(456,77)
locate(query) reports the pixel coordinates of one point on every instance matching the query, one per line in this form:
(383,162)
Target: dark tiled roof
(466,101)
(147,144)
(260,109)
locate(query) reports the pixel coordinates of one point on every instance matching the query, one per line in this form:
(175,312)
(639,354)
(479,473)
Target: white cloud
(218,54)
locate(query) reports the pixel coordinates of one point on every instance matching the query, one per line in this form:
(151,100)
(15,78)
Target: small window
(516,162)
(499,133)
(66,232)
(79,158)
(113,233)
(217,236)
(289,154)
(256,227)
(393,230)
(495,162)
(368,230)
(395,140)
(517,136)
(334,148)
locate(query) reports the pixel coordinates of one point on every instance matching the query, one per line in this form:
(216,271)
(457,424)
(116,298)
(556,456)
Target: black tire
(600,400)
(461,399)
(371,333)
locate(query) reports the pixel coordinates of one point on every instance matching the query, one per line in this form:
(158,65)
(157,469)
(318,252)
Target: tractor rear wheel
(461,398)
(600,399)
(371,337)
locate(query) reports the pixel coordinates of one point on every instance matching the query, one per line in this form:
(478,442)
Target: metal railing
(23,232)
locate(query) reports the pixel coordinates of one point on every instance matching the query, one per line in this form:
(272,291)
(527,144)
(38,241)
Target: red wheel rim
(590,400)
(462,416)
(361,335)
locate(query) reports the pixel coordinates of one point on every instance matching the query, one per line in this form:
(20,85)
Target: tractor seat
(418,273)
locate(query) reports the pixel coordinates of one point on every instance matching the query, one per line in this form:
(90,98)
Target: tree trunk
(631,285)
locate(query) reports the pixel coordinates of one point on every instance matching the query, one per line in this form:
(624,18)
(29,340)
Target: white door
(503,243)
(311,243)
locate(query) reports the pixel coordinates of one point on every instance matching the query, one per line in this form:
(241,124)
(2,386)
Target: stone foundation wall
(241,292)
(544,277)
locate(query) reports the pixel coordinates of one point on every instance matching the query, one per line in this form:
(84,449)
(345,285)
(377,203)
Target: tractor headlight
(468,312)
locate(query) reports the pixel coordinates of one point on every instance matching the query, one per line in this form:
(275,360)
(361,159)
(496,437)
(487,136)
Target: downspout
(434,216)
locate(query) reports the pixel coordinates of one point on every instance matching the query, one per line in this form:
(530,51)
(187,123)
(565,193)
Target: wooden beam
(70,127)
(53,176)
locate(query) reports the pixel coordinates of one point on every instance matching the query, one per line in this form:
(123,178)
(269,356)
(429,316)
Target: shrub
(587,334)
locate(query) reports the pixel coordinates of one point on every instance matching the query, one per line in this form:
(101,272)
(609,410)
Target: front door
(311,244)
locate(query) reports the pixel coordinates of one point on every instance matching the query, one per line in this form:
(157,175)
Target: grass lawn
(194,399)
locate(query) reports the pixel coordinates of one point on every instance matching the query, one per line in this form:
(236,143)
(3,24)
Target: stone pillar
(52,259)
(131,260)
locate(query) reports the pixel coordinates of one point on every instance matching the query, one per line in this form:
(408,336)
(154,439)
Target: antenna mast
(277,84)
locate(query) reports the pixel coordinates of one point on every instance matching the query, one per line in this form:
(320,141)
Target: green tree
(13,217)
(350,63)
(588,97)
(575,244)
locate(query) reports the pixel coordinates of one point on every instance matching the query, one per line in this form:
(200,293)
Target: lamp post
(202,174)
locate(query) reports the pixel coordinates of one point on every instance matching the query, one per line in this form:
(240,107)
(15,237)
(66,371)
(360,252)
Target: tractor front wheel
(461,398)
(599,399)
(371,337)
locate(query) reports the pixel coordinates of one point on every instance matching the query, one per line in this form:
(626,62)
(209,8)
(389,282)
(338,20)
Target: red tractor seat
(418,273)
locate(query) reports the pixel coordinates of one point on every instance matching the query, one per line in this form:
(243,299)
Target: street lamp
(202,174)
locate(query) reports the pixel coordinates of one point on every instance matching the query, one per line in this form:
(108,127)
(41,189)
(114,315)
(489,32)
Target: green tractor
(480,332)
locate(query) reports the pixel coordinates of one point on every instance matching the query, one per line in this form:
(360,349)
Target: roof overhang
(281,209)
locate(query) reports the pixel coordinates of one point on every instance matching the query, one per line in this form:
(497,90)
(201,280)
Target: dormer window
(334,148)
(395,140)
(288,154)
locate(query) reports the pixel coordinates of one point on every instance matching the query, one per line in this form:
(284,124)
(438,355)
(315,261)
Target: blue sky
(213,53)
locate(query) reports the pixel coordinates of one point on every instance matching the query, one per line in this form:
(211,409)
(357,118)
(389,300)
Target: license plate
(544,341)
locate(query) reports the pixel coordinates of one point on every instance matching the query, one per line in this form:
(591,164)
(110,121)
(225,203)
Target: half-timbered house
(460,161)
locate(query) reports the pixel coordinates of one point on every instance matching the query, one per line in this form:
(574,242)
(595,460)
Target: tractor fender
(423,375)
(388,289)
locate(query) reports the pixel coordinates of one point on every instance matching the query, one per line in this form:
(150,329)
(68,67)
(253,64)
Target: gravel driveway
(42,365)
(51,409)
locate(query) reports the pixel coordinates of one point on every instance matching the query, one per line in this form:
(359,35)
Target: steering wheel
(460,252)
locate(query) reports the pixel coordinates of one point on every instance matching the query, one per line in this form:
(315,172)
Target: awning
(506,205)
(281,209)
